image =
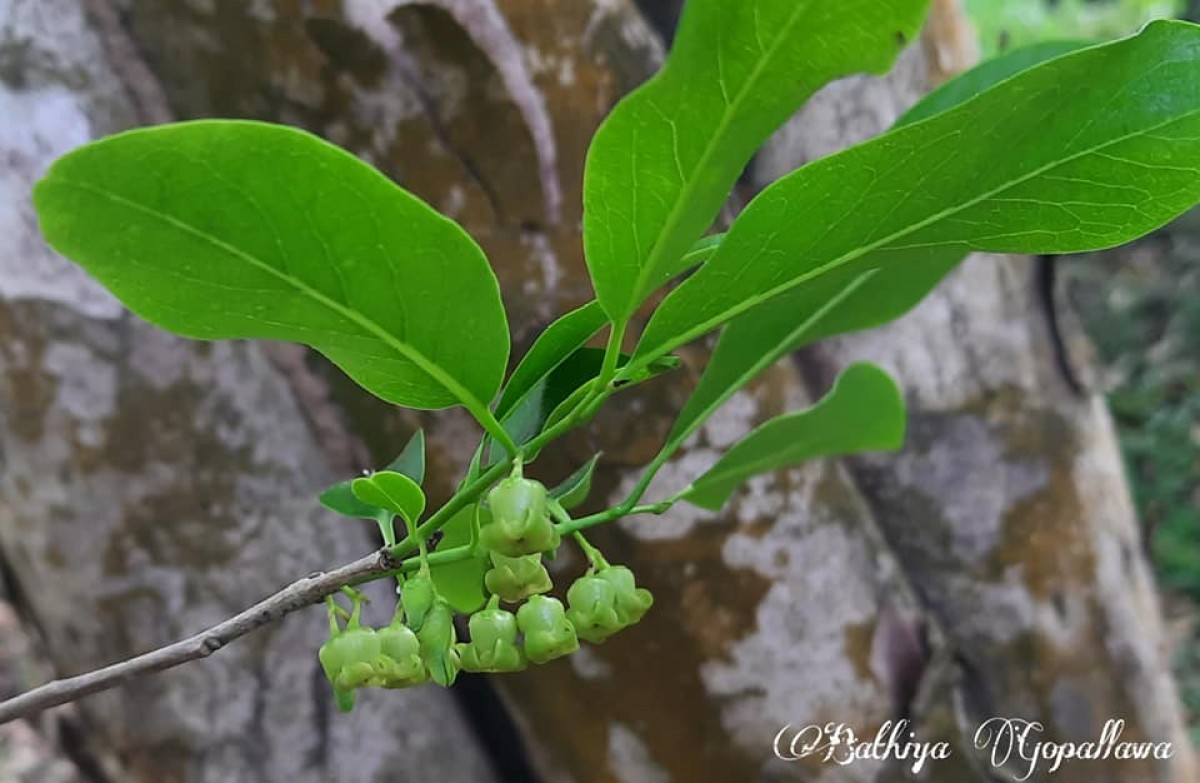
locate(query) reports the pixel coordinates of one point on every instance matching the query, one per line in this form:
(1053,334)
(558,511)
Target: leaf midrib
(366,324)
(854,255)
(685,195)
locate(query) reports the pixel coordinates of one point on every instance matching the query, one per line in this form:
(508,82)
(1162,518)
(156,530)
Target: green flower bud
(346,653)
(417,597)
(516,578)
(548,632)
(437,644)
(359,674)
(493,645)
(632,601)
(400,664)
(593,611)
(520,519)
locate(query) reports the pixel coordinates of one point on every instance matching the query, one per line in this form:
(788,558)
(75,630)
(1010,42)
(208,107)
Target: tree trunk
(151,486)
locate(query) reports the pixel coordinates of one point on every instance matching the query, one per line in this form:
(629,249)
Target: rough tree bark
(151,486)
(927,586)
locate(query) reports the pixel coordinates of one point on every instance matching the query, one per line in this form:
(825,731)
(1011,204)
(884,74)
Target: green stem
(476,488)
(441,557)
(332,608)
(612,356)
(594,555)
(494,428)
(583,523)
(387,528)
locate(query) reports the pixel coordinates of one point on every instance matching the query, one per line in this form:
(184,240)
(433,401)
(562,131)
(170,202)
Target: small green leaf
(1086,151)
(411,460)
(553,347)
(574,373)
(341,500)
(576,488)
(391,491)
(555,395)
(664,161)
(461,582)
(863,412)
(986,75)
(223,229)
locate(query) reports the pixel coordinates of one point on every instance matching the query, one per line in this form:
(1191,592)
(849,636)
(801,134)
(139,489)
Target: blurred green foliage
(1008,24)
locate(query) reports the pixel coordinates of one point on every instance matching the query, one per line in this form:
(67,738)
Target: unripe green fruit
(516,578)
(593,608)
(520,519)
(548,632)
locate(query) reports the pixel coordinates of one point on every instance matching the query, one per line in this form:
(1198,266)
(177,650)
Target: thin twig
(298,595)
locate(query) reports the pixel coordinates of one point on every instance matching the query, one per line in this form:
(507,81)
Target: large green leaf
(665,159)
(863,412)
(226,229)
(755,340)
(985,76)
(552,347)
(1086,151)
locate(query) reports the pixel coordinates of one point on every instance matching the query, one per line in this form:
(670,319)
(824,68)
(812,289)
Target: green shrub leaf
(863,412)
(552,347)
(391,491)
(340,497)
(229,229)
(575,489)
(1086,151)
(750,345)
(461,582)
(665,159)
(986,75)
(411,459)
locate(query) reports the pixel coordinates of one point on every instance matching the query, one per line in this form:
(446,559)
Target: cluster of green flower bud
(421,645)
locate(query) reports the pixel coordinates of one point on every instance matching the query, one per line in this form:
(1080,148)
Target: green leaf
(553,347)
(863,412)
(556,394)
(664,161)
(750,345)
(341,500)
(574,373)
(986,75)
(230,229)
(411,460)
(576,488)
(1087,151)
(461,582)
(391,491)
(888,293)
(340,497)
